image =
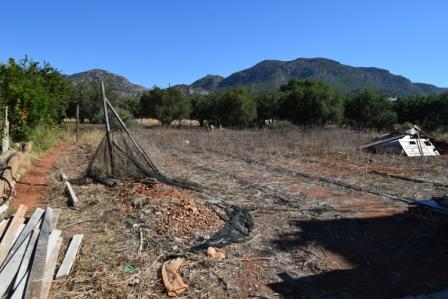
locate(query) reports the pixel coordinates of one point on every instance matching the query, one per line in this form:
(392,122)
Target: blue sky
(175,41)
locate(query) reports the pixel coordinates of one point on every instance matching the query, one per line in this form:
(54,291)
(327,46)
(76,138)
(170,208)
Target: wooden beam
(56,214)
(35,281)
(10,270)
(32,223)
(3,209)
(70,256)
(73,198)
(49,269)
(23,272)
(3,226)
(11,234)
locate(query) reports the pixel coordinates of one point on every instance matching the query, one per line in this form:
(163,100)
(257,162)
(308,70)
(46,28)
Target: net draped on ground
(119,156)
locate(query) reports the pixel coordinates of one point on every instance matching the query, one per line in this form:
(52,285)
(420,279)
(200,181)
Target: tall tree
(164,104)
(309,102)
(370,110)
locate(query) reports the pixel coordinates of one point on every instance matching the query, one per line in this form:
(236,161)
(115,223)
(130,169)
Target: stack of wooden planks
(29,251)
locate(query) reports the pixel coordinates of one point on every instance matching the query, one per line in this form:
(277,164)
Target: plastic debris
(129,268)
(171,277)
(216,253)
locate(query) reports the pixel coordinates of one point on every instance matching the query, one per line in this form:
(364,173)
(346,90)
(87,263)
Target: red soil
(33,185)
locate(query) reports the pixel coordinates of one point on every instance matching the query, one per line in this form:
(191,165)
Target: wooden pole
(77,122)
(152,166)
(106,119)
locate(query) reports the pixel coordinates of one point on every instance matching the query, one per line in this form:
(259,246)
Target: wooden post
(77,122)
(5,140)
(152,166)
(106,120)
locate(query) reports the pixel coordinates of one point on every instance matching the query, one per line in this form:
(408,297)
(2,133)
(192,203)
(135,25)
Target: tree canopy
(309,102)
(35,93)
(370,110)
(164,104)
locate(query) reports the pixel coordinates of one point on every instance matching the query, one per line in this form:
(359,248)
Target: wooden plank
(3,209)
(52,240)
(35,281)
(56,214)
(21,211)
(22,276)
(12,267)
(49,269)
(73,198)
(32,223)
(70,256)
(24,266)
(3,226)
(10,237)
(19,231)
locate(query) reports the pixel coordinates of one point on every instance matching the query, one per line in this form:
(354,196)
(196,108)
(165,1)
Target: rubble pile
(172,212)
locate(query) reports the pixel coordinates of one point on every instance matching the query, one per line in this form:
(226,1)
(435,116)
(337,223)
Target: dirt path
(33,185)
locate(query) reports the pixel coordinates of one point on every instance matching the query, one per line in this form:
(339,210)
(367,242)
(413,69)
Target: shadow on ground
(390,256)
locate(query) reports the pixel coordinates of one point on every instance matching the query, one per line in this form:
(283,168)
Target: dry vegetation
(312,239)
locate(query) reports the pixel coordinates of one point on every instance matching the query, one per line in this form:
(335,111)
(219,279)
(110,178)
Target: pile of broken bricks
(29,251)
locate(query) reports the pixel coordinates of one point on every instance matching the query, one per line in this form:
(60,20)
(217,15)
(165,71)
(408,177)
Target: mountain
(119,84)
(271,74)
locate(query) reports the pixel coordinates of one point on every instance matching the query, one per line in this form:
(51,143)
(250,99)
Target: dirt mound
(170,212)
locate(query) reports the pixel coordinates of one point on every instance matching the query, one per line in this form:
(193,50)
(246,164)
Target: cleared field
(330,221)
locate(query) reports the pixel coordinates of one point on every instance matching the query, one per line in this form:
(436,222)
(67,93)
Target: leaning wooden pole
(150,164)
(106,121)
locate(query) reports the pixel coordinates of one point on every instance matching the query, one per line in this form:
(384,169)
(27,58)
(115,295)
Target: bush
(36,94)
(45,137)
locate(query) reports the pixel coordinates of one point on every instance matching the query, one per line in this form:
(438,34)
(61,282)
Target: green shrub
(45,136)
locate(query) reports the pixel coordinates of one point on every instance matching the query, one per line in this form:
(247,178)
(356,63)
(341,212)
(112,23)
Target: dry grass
(237,166)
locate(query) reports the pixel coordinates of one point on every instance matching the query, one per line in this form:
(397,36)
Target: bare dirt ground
(311,239)
(33,185)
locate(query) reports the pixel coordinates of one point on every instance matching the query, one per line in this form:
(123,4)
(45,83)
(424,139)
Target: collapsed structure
(120,156)
(412,143)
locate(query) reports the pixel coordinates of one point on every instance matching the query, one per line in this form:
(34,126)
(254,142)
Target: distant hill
(271,74)
(119,84)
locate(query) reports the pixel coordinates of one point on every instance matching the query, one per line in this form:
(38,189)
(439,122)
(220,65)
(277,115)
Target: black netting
(119,155)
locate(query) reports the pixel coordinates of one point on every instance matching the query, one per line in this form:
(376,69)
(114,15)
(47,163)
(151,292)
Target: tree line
(39,95)
(301,102)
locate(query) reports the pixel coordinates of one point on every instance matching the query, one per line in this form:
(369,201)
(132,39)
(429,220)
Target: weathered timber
(11,234)
(32,223)
(23,272)
(49,269)
(35,281)
(70,256)
(72,195)
(12,267)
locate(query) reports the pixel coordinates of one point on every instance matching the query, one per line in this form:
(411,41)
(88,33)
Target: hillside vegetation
(271,74)
(119,84)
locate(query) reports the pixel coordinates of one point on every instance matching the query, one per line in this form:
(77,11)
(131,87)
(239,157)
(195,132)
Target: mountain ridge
(271,74)
(120,84)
